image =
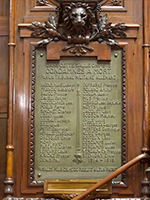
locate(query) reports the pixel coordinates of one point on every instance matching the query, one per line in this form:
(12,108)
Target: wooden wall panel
(3,71)
(26,12)
(3,26)
(4,8)
(3,59)
(3,129)
(4,13)
(134,90)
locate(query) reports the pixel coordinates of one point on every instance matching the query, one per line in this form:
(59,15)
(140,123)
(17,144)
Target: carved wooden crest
(78,23)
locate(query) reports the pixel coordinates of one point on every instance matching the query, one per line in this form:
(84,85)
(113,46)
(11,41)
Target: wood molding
(3,115)
(104,52)
(132,31)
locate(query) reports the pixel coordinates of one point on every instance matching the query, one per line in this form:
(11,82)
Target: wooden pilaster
(8,190)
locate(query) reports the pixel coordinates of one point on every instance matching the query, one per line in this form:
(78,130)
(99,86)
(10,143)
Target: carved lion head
(78,18)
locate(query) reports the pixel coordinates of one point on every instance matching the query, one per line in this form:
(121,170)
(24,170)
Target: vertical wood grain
(3,130)
(8,190)
(145,191)
(4,13)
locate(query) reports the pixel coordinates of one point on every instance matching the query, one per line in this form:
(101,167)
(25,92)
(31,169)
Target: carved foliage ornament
(78,23)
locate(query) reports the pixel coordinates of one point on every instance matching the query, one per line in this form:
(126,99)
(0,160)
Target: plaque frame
(137,65)
(31,179)
(36,186)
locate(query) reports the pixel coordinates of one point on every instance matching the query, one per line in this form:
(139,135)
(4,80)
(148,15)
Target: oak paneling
(134,93)
(3,129)
(4,60)
(3,105)
(4,8)
(3,98)
(3,26)
(26,12)
(3,91)
(4,14)
(3,72)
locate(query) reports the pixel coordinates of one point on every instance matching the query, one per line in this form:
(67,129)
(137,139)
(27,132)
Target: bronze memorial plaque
(77,117)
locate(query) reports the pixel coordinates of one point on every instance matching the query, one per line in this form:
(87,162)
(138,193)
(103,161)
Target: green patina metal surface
(77,117)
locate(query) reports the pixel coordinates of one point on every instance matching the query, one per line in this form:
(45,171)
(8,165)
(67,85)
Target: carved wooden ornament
(78,23)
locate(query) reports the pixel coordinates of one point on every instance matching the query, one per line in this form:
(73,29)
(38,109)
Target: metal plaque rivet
(39,175)
(41,54)
(116,55)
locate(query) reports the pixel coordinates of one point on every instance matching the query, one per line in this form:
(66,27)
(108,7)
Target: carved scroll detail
(78,24)
(115,3)
(43,3)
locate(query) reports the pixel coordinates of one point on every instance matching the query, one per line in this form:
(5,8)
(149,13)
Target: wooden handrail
(112,175)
